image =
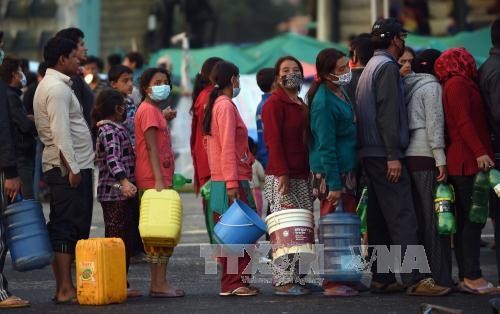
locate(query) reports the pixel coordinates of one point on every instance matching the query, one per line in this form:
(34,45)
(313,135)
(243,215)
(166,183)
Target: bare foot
(166,291)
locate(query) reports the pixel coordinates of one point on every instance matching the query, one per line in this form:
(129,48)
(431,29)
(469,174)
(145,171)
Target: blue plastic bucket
(240,224)
(26,235)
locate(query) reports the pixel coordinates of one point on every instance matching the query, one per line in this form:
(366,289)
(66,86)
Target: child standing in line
(115,158)
(258,177)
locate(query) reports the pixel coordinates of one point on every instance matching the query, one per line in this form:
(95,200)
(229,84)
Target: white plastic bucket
(292,230)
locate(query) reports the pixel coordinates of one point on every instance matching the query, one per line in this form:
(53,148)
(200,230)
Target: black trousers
(437,247)
(70,210)
(467,240)
(391,216)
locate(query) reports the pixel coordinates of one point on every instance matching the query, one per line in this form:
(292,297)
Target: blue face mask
(160,92)
(2,54)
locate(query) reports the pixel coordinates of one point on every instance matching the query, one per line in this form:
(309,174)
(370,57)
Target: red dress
(198,151)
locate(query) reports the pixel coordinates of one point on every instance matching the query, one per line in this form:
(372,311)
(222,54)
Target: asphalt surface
(187,270)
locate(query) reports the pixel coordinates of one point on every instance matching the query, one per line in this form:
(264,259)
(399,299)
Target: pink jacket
(229,158)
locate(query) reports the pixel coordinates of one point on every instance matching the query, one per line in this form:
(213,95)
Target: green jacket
(333,140)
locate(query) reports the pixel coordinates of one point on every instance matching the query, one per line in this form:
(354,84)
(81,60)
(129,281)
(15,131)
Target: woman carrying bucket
(201,91)
(332,155)
(230,163)
(155,166)
(285,120)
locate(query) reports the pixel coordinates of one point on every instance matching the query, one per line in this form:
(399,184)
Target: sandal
(69,301)
(240,292)
(172,293)
(340,291)
(14,302)
(294,290)
(488,289)
(133,293)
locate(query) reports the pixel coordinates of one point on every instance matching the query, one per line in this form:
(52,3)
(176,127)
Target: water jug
(339,233)
(480,199)
(26,235)
(100,271)
(178,181)
(160,219)
(361,210)
(444,197)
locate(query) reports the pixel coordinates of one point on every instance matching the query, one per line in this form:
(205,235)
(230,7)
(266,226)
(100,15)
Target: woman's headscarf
(455,62)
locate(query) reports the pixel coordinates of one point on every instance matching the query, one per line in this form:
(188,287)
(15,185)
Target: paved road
(187,271)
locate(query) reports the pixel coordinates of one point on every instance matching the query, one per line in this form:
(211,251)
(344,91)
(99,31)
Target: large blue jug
(339,233)
(26,235)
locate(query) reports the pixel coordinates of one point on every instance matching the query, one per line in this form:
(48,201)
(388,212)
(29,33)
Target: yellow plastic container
(100,271)
(160,222)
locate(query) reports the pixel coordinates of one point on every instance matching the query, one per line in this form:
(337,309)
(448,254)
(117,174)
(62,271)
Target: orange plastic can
(100,271)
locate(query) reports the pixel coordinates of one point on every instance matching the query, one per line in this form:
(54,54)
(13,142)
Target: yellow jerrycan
(160,220)
(100,271)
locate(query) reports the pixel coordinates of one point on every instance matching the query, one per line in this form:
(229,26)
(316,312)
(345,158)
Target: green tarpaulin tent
(251,58)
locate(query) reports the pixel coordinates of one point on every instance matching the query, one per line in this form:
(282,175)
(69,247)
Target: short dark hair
(135,57)
(265,79)
(71,33)
(116,71)
(96,60)
(411,51)
(42,68)
(114,59)
(9,66)
(105,106)
(495,33)
(363,48)
(55,48)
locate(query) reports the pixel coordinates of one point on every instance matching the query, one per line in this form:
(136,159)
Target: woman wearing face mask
(116,161)
(333,144)
(11,74)
(154,165)
(201,93)
(285,120)
(230,162)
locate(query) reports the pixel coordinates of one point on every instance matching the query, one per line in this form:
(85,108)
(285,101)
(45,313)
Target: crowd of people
(383,117)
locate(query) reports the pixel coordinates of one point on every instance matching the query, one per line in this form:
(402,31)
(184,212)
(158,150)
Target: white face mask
(343,79)
(23,79)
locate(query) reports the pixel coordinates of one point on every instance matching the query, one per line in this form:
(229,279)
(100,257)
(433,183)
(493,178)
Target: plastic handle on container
(229,225)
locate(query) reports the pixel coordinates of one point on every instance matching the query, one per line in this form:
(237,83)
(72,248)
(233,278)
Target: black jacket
(25,129)
(7,141)
(489,82)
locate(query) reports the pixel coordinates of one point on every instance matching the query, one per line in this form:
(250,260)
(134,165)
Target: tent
(478,43)
(250,58)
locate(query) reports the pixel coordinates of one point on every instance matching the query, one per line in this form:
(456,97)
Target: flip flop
(295,290)
(133,293)
(340,291)
(240,292)
(488,289)
(177,293)
(13,302)
(70,301)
